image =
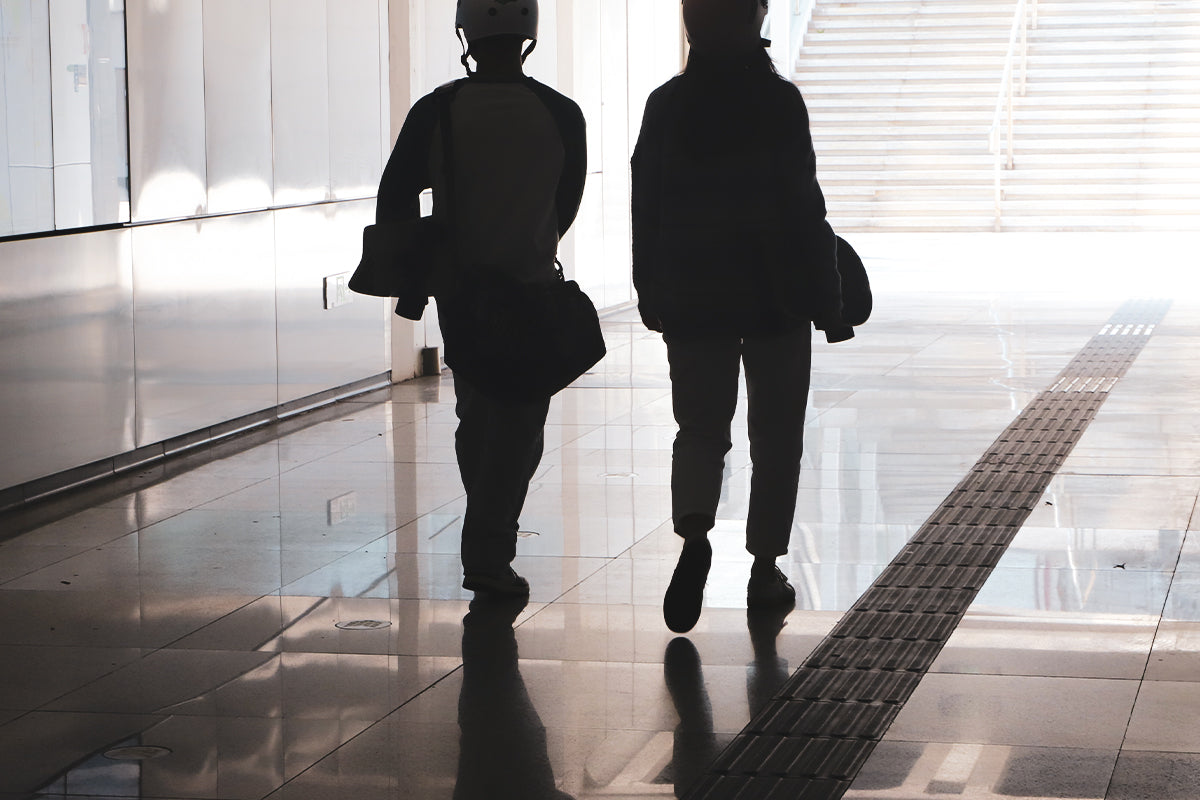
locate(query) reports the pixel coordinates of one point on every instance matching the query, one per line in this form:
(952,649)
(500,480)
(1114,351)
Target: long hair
(727,104)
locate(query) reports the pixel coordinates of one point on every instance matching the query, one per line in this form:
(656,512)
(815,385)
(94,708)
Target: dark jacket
(410,168)
(729,230)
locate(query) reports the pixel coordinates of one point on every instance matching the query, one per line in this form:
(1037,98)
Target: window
(63,123)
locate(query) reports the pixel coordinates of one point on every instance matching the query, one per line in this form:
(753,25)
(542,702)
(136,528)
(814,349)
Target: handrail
(787,23)
(802,12)
(1024,18)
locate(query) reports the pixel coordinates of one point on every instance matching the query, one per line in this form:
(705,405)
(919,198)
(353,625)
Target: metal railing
(1024,19)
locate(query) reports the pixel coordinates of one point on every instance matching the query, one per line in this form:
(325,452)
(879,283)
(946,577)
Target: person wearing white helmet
(517,168)
(734,263)
(486,19)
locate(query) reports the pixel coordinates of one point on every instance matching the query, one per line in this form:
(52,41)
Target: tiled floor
(196,606)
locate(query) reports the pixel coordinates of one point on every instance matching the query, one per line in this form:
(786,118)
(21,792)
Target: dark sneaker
(507,583)
(769,589)
(685,595)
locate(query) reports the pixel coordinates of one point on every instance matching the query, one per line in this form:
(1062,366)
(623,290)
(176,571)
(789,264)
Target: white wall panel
(655,53)
(300,100)
(71,87)
(385,77)
(237,104)
(166,109)
(205,310)
(110,111)
(66,353)
(354,90)
(616,145)
(26,159)
(542,64)
(438,58)
(319,347)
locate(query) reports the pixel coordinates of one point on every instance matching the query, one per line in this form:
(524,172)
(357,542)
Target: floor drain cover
(364,625)
(139,753)
(527,534)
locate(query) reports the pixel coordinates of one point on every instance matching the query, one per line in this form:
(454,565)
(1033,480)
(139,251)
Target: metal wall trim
(119,226)
(54,486)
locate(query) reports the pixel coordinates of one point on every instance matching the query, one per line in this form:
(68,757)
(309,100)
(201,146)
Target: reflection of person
(502,749)
(695,744)
(768,671)
(733,261)
(518,155)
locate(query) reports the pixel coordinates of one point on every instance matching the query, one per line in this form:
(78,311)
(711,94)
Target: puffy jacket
(729,229)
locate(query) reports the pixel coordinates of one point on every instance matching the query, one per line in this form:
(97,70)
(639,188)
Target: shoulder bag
(400,259)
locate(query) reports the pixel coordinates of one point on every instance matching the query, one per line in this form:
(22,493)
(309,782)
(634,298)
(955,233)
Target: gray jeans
(704,389)
(499,448)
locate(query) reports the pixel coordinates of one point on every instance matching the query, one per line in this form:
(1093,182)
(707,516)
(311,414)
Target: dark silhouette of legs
(704,384)
(704,393)
(499,448)
(704,389)
(777,380)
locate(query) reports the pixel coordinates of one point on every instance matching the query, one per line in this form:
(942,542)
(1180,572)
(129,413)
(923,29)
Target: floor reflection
(502,751)
(696,744)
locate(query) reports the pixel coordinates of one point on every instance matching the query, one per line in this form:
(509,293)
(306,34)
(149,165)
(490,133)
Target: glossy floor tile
(978,771)
(284,616)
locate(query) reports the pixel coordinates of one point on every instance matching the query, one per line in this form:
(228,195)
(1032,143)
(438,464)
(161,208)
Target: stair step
(901,95)
(988,57)
(979,223)
(899,7)
(883,36)
(1147,196)
(1038,51)
(1101,92)
(1056,207)
(1065,121)
(987,19)
(1177,194)
(991,66)
(1030,161)
(934,176)
(882,111)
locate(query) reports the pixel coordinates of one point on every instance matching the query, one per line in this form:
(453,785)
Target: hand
(650,319)
(841,333)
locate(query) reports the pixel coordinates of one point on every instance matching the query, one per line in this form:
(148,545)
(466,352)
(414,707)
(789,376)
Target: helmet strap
(464,59)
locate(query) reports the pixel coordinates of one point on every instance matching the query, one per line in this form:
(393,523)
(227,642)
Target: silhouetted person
(734,262)
(519,165)
(502,749)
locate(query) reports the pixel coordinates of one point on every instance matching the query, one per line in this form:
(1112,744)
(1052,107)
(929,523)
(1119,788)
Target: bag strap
(445,96)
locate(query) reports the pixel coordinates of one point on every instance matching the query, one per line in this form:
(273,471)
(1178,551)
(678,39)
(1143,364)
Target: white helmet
(724,26)
(481,19)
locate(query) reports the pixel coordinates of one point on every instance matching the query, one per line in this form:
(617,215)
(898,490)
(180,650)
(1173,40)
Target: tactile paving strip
(812,738)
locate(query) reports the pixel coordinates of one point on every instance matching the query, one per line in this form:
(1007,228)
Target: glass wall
(63,137)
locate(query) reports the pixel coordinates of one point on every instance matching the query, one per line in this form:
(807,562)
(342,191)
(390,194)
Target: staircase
(902,93)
